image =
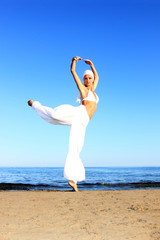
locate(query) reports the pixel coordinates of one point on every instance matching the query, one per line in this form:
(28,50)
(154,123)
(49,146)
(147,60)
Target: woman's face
(88,80)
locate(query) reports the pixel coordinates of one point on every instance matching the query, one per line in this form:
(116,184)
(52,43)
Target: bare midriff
(90,107)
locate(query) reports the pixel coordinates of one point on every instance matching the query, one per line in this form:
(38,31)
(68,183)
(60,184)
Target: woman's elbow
(72,70)
(96,78)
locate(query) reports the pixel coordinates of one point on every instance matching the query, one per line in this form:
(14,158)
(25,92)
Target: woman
(76,117)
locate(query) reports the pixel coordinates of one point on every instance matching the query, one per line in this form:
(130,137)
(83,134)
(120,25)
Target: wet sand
(87,215)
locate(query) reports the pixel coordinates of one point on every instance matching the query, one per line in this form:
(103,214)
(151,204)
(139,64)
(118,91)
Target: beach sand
(87,215)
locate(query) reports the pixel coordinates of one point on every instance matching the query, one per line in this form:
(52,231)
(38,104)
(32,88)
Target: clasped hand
(87,61)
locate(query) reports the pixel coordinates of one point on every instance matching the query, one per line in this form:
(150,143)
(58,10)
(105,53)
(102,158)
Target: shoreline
(86,215)
(84,186)
(80,191)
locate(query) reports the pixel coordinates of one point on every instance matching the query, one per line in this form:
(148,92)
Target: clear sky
(38,39)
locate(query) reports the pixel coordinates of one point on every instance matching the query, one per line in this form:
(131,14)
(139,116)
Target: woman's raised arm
(73,71)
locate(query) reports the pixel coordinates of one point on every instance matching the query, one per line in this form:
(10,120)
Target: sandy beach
(87,215)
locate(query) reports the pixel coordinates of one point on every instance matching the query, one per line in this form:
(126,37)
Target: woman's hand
(79,58)
(87,61)
(76,58)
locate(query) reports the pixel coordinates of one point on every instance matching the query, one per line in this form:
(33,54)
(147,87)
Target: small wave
(22,186)
(82,185)
(126,185)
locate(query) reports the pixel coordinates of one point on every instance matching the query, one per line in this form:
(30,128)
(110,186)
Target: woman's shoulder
(83,93)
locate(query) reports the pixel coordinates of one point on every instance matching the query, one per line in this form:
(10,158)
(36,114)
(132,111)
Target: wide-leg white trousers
(78,119)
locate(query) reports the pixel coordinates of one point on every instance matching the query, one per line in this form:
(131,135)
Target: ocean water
(97,178)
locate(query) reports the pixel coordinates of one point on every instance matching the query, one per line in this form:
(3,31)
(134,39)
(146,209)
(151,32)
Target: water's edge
(85,186)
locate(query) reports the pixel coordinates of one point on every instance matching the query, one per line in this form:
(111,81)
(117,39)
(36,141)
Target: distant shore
(87,215)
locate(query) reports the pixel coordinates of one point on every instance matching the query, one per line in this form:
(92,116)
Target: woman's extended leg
(61,115)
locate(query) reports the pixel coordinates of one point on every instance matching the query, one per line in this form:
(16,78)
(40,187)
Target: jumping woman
(76,117)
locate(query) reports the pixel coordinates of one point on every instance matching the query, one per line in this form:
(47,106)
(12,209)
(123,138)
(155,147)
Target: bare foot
(73,185)
(30,102)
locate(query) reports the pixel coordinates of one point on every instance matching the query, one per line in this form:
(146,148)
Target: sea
(97,178)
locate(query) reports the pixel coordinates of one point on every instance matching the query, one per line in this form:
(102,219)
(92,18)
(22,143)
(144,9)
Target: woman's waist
(90,107)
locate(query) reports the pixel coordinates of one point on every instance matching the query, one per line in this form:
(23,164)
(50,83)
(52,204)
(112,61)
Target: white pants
(77,118)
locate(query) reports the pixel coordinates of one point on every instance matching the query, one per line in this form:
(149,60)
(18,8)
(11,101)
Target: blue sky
(37,42)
